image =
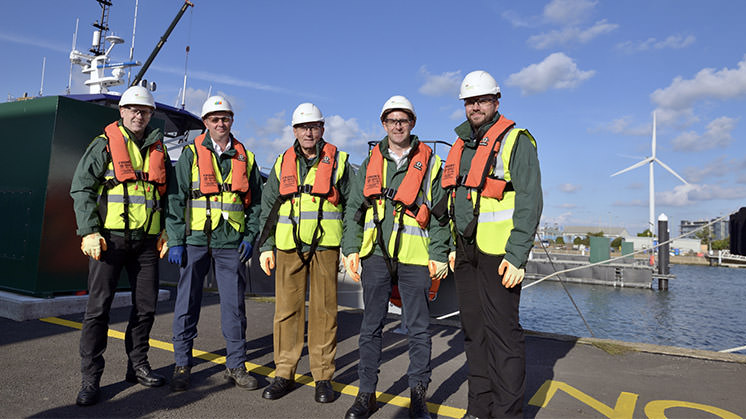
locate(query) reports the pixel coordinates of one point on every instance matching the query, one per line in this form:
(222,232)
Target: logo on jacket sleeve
(326,160)
(418,165)
(484,141)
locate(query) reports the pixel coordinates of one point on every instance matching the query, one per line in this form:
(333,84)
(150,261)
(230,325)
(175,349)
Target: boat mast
(132,47)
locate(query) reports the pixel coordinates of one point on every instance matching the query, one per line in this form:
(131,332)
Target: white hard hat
(398,102)
(137,95)
(478,83)
(216,104)
(306,112)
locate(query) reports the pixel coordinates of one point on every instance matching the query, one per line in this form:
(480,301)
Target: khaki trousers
(290,313)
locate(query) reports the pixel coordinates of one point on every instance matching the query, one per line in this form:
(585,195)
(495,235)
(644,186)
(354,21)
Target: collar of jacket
(299,152)
(230,152)
(384,146)
(466,133)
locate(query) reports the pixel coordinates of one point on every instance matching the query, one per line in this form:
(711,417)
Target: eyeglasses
(393,122)
(216,119)
(140,112)
(313,127)
(481,101)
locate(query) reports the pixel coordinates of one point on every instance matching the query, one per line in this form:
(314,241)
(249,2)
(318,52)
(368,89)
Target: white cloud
(683,195)
(33,42)
(716,135)
(517,20)
(568,206)
(570,34)
(443,84)
(569,188)
(568,11)
(274,126)
(623,126)
(457,115)
(561,219)
(557,71)
(673,41)
(714,169)
(707,84)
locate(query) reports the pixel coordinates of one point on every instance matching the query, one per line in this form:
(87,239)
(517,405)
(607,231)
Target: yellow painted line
(348,389)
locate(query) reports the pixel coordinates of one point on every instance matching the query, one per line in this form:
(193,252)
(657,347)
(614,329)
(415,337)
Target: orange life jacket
(208,183)
(120,157)
(410,185)
(481,163)
(323,184)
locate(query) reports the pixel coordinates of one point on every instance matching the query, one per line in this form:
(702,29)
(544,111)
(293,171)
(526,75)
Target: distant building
(719,230)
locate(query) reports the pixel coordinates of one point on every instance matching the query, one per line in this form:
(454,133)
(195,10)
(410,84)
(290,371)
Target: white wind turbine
(650,160)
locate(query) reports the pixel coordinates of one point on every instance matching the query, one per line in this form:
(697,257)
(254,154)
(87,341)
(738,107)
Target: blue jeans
(414,284)
(231,287)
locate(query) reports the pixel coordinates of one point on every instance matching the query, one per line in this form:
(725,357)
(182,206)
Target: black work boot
(278,388)
(242,378)
(364,406)
(89,391)
(180,380)
(418,402)
(144,375)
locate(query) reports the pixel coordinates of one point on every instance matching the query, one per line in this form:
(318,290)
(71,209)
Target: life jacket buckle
(388,193)
(305,189)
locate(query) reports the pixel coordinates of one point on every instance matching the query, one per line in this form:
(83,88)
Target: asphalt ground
(566,377)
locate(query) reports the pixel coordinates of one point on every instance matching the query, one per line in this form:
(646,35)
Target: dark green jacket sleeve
(526,177)
(352,237)
(255,207)
(84,186)
(440,236)
(269,194)
(177,199)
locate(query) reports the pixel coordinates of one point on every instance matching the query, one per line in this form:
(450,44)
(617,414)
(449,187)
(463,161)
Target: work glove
(512,276)
(161,245)
(352,262)
(92,245)
(176,254)
(244,251)
(452,260)
(267,261)
(438,270)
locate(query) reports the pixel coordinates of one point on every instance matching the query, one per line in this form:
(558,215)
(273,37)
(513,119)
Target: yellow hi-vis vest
(495,219)
(225,204)
(142,197)
(414,248)
(303,209)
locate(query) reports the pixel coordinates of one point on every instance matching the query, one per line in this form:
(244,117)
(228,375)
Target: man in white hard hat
(118,191)
(302,209)
(494,203)
(213,220)
(388,224)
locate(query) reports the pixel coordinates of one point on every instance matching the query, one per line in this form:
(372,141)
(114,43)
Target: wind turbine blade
(671,171)
(634,166)
(653,155)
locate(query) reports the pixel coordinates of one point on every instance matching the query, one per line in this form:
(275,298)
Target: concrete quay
(567,377)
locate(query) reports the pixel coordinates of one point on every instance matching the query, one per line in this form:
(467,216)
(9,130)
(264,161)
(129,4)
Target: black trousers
(493,338)
(140,259)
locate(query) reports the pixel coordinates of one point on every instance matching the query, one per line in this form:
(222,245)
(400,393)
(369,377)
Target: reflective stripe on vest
(495,220)
(415,240)
(143,178)
(231,202)
(322,178)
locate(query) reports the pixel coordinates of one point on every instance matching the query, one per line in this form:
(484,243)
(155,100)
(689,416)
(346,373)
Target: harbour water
(704,308)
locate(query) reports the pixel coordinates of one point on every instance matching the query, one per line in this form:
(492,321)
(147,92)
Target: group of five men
(399,222)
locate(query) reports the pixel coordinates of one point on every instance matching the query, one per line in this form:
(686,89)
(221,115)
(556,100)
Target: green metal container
(45,138)
(600,249)
(628,248)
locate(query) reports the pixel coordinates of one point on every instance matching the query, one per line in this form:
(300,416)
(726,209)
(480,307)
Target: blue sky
(583,76)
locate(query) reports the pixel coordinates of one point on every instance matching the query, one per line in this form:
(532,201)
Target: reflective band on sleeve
(310,215)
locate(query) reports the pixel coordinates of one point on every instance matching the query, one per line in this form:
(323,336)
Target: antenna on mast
(43,68)
(186,60)
(97,46)
(75,41)
(132,47)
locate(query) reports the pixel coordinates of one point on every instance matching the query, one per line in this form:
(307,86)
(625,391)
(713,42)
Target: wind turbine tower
(649,161)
